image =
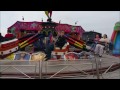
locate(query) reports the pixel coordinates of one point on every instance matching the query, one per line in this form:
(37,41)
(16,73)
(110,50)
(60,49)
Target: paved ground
(110,75)
(106,60)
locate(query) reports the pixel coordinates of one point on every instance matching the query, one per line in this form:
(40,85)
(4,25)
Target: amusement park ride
(45,34)
(43,30)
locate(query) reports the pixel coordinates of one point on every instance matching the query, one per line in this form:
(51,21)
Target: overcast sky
(99,21)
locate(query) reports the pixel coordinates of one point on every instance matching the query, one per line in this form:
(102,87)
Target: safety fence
(54,69)
(68,68)
(17,68)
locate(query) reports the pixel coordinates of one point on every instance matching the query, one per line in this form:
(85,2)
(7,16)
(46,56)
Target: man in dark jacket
(61,40)
(49,49)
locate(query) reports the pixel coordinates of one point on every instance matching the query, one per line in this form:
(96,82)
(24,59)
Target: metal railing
(108,69)
(64,65)
(17,65)
(54,68)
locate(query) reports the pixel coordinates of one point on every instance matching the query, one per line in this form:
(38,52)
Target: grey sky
(100,21)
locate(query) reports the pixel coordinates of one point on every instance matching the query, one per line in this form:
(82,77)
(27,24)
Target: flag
(75,23)
(22,18)
(47,14)
(59,21)
(50,13)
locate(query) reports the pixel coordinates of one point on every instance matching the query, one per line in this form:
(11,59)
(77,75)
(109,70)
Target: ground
(49,67)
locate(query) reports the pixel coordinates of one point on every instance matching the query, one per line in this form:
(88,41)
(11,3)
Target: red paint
(9,35)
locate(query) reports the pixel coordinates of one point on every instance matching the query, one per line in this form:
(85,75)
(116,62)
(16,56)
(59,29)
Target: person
(97,38)
(39,45)
(1,37)
(101,44)
(9,35)
(50,48)
(61,40)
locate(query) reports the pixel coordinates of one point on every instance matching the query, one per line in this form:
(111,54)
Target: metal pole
(0,72)
(119,69)
(40,69)
(97,69)
(0,22)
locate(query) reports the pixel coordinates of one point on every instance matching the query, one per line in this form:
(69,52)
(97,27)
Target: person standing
(101,44)
(50,48)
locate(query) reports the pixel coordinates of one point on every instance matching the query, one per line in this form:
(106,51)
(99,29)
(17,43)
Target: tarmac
(53,69)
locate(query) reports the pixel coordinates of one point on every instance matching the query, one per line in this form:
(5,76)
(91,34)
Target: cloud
(100,21)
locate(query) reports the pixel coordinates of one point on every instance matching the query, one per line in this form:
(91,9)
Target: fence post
(97,69)
(0,72)
(40,69)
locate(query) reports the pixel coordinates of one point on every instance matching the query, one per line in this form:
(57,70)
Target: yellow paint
(11,57)
(22,43)
(78,43)
(47,13)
